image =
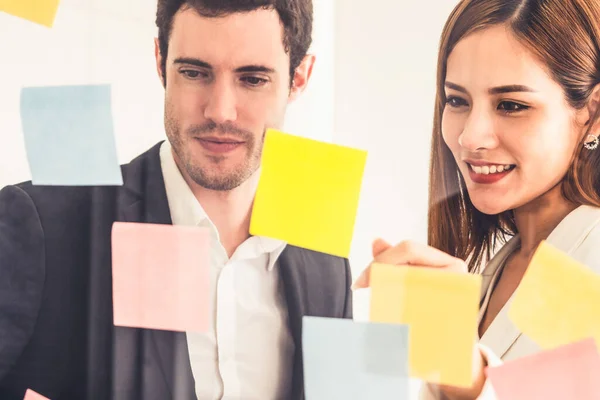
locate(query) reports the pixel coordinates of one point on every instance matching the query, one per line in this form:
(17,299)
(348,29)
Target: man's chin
(221,182)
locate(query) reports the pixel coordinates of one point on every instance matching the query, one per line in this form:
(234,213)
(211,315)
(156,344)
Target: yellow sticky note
(558,300)
(308,193)
(441,310)
(41,12)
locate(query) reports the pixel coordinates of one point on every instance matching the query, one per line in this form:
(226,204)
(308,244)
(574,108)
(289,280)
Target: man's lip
(220,140)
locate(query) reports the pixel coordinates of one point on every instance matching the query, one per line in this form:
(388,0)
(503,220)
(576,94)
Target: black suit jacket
(56,331)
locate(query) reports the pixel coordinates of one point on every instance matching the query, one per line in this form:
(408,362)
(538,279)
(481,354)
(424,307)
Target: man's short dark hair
(295,15)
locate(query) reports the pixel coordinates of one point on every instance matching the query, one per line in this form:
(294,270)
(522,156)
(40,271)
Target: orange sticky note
(441,310)
(558,300)
(568,372)
(31,395)
(41,12)
(161,276)
(308,193)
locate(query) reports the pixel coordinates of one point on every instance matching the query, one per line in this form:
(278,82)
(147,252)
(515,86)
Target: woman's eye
(455,102)
(511,107)
(254,80)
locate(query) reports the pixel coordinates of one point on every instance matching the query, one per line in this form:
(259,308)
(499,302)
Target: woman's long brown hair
(565,36)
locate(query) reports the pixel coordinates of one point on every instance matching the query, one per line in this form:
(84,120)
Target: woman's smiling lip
(487,173)
(482,163)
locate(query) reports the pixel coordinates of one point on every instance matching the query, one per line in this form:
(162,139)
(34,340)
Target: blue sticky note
(354,360)
(69,135)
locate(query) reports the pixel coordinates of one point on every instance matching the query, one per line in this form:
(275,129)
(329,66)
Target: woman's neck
(538,218)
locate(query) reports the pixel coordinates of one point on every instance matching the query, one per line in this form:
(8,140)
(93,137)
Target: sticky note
(161,276)
(441,309)
(69,135)
(567,372)
(308,193)
(41,12)
(557,301)
(344,359)
(31,395)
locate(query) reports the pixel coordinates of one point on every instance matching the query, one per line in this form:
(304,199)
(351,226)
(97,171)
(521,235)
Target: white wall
(111,42)
(385,66)
(312,115)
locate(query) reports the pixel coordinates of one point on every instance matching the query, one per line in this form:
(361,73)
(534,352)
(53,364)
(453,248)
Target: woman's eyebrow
(494,90)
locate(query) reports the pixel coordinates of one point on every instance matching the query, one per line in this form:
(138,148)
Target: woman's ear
(588,117)
(593,108)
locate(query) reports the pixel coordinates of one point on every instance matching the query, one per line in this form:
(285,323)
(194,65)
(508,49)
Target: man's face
(227,81)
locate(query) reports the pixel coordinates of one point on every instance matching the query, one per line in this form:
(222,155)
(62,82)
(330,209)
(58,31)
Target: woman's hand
(409,253)
(420,256)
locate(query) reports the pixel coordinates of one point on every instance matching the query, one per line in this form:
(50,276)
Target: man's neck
(229,211)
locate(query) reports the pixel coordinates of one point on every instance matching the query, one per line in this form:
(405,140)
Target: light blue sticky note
(354,360)
(69,135)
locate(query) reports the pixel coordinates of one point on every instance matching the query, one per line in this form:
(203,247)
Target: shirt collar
(273,248)
(186,210)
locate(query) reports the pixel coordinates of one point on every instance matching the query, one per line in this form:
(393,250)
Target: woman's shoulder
(586,235)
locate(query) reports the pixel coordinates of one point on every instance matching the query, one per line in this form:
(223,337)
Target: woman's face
(506,121)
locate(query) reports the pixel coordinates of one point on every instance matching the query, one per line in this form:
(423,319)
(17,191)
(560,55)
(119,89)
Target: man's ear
(301,77)
(158,58)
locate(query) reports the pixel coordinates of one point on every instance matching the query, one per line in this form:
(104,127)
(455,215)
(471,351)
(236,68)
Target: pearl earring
(592,142)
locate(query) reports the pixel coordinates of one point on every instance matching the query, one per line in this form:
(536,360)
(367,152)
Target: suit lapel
(315,284)
(502,333)
(294,286)
(144,199)
(573,229)
(495,263)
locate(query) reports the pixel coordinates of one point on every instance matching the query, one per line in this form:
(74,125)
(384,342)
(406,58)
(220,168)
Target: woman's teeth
(491,169)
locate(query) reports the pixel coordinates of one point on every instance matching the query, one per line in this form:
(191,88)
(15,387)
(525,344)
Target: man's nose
(221,106)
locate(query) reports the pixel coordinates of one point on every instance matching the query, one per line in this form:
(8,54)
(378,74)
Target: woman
(514,153)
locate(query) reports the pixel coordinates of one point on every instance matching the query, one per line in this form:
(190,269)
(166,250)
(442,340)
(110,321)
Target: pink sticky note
(567,372)
(161,276)
(31,395)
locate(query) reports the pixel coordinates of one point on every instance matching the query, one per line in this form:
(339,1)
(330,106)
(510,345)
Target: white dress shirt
(248,352)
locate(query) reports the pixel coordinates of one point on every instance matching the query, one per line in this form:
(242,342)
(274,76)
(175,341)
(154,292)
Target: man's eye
(192,74)
(254,80)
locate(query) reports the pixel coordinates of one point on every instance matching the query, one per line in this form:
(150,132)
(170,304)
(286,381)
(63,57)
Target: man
(229,69)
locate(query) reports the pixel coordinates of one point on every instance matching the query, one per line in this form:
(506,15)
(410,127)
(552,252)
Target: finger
(412,253)
(457,266)
(363,280)
(409,253)
(379,246)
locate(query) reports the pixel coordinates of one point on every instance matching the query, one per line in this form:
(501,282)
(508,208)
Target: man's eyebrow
(494,90)
(203,64)
(192,61)
(255,68)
